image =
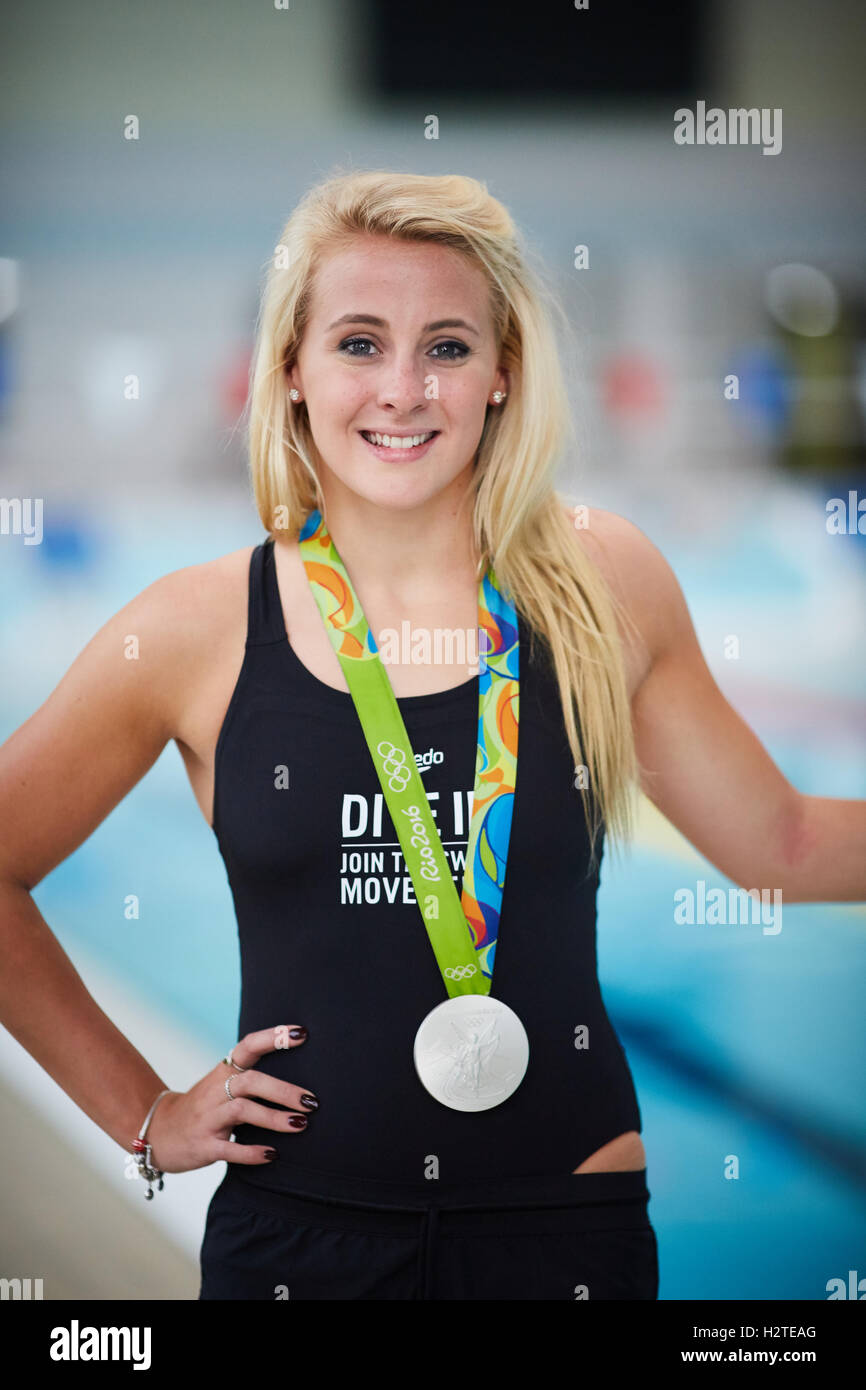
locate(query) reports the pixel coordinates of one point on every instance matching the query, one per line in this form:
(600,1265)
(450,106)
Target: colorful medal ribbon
(462,930)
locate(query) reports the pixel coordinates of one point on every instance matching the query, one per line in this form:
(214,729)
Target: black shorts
(577,1236)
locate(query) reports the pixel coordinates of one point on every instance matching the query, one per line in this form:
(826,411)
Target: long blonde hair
(520,523)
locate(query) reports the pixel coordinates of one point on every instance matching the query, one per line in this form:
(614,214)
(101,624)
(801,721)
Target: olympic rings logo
(394,766)
(461,972)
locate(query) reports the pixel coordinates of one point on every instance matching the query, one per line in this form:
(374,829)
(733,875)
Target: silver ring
(229,1088)
(228,1059)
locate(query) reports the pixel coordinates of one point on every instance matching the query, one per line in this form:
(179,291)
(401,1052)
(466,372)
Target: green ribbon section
(451,935)
(406,798)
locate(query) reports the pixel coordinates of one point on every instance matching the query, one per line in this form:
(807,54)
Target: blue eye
(354,342)
(461,349)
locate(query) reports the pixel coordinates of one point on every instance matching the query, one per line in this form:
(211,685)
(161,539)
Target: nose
(402,383)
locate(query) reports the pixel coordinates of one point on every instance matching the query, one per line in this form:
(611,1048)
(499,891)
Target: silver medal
(471,1052)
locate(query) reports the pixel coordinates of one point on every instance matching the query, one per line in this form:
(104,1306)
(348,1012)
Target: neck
(407,553)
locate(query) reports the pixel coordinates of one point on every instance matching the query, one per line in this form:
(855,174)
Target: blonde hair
(520,523)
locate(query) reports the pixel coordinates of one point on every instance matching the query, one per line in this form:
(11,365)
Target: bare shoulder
(159,667)
(624,553)
(636,572)
(196,618)
(170,635)
(198,597)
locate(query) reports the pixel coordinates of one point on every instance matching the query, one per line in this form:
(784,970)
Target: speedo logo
(425,760)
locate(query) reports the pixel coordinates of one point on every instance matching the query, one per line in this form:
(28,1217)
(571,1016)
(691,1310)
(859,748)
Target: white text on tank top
(372,868)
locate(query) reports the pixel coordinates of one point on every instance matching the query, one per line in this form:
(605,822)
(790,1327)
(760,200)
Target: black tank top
(331,936)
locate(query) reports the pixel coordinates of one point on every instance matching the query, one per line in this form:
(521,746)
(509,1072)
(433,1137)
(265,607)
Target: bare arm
(129,692)
(61,773)
(705,769)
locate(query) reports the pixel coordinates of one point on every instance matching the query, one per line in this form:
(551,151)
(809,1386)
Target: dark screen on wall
(536,51)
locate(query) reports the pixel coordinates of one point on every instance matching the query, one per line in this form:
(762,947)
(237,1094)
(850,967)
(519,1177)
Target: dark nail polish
(270,1155)
(310,1102)
(297,1121)
(298,1033)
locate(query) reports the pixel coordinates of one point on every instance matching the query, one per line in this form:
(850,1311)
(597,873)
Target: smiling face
(399,342)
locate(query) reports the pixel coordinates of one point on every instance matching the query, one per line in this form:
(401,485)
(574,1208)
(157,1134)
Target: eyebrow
(382,323)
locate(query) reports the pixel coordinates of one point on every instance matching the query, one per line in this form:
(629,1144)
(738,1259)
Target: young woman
(427,1099)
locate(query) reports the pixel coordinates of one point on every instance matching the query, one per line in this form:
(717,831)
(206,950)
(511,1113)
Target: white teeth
(394,441)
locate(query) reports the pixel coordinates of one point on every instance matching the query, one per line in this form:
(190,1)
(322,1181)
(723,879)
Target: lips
(403,453)
(376,438)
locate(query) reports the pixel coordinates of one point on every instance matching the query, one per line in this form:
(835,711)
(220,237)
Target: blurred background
(706,264)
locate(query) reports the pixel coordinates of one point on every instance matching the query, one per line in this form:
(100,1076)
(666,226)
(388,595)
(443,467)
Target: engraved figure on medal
(471,1053)
(473,1070)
